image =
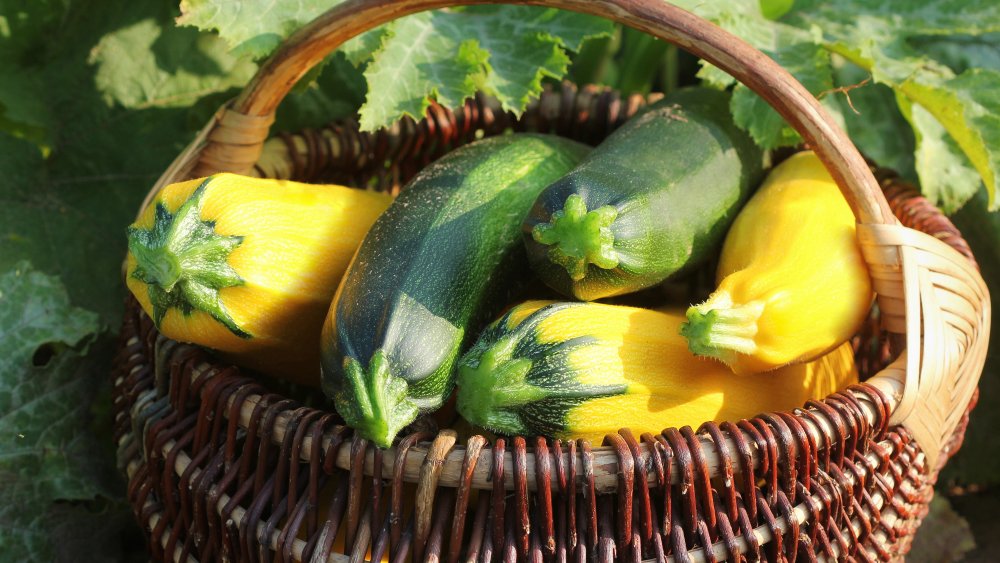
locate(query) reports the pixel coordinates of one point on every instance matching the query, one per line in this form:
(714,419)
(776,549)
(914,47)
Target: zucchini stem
(579,237)
(374,402)
(493,389)
(184,262)
(720,329)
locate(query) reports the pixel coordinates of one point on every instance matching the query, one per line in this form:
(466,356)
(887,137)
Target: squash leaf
(884,40)
(48,450)
(252,27)
(448,55)
(873,119)
(879,38)
(946,176)
(808,62)
(424,55)
(87,124)
(149,64)
(118,95)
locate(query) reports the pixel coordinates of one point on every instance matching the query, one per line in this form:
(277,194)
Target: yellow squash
(583,370)
(248,266)
(792,283)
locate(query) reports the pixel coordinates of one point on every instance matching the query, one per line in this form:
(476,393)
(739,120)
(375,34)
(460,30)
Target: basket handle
(312,43)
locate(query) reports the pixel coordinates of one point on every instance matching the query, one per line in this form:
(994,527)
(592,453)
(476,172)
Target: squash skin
(573,370)
(295,242)
(653,199)
(435,267)
(792,282)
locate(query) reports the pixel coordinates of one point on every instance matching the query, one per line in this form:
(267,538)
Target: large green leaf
(448,55)
(909,17)
(103,95)
(961,52)
(252,27)
(48,451)
(808,62)
(876,37)
(119,87)
(968,108)
(946,177)
(881,38)
(22,111)
(798,51)
(149,64)
(873,119)
(337,93)
(426,55)
(525,44)
(445,55)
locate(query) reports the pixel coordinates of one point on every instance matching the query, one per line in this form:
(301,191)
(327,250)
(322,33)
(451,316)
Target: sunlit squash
(792,283)
(248,266)
(582,370)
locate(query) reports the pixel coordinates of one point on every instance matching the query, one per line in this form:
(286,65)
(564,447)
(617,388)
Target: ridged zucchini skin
(248,266)
(653,198)
(792,281)
(573,370)
(436,266)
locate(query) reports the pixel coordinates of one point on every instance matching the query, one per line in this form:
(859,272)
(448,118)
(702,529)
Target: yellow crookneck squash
(792,282)
(248,266)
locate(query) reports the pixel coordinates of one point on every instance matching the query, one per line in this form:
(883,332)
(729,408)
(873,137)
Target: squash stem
(720,329)
(161,265)
(184,262)
(492,390)
(374,402)
(579,237)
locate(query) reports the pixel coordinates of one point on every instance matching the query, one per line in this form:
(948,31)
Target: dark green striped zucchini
(437,265)
(654,198)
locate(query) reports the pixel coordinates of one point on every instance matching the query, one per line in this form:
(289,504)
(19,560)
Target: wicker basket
(222,468)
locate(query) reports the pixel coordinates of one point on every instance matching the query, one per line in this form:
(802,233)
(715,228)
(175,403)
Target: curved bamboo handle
(312,43)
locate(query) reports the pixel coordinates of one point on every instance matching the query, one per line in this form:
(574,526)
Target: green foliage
(97,98)
(883,39)
(147,64)
(873,119)
(48,451)
(252,27)
(448,55)
(436,61)
(445,55)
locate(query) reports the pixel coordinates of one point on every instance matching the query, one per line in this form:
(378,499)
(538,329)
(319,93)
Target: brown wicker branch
(605,460)
(764,534)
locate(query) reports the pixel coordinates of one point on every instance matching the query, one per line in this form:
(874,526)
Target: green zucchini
(654,198)
(434,268)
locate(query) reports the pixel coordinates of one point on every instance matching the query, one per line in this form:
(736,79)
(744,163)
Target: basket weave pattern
(223,468)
